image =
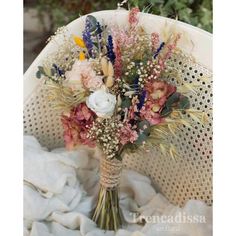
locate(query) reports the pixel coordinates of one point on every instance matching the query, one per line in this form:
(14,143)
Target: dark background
(43,17)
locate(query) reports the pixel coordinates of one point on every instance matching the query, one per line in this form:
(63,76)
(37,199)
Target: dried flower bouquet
(111,86)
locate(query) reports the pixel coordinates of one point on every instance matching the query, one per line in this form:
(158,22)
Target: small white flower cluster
(142,47)
(106,132)
(133,69)
(153,69)
(65,56)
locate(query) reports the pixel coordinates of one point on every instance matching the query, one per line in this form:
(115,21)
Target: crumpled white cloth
(60,190)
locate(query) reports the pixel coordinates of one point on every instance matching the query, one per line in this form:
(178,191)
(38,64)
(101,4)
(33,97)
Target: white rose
(102,103)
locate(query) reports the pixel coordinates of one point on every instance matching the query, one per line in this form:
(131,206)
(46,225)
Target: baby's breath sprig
(106,132)
(134,79)
(65,56)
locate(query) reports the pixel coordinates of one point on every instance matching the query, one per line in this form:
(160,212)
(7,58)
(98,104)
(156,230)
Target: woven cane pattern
(42,121)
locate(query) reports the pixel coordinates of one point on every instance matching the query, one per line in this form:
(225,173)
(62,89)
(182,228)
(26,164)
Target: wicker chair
(190,177)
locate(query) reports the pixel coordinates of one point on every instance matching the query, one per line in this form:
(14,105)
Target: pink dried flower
(161,64)
(118,61)
(132,109)
(149,113)
(133,16)
(170,47)
(71,132)
(127,134)
(154,40)
(92,83)
(123,37)
(76,126)
(159,91)
(83,76)
(83,114)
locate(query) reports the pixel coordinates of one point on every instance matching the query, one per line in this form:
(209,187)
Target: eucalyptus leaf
(141,138)
(184,103)
(38,74)
(145,127)
(126,103)
(92,23)
(132,147)
(172,99)
(166,111)
(41,69)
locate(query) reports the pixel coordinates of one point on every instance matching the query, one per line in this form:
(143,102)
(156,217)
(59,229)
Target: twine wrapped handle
(110,172)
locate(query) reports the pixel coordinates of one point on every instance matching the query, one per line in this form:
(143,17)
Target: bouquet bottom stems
(107,213)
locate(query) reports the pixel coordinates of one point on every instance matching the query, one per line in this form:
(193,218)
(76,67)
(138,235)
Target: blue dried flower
(99,30)
(136,80)
(110,53)
(88,24)
(88,41)
(87,37)
(142,97)
(159,49)
(58,70)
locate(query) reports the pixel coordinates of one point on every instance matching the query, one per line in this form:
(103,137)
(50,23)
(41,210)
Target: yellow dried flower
(81,56)
(79,41)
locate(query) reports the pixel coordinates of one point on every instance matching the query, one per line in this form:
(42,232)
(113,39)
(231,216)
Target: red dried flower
(127,135)
(118,61)
(77,125)
(150,113)
(157,95)
(154,40)
(133,16)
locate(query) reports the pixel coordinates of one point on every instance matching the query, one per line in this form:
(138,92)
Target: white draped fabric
(60,189)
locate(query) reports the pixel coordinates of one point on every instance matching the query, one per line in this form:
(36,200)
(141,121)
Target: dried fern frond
(188,87)
(196,115)
(172,72)
(166,148)
(67,51)
(63,98)
(173,152)
(161,133)
(170,126)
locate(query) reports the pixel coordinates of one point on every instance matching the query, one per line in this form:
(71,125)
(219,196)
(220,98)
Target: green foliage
(184,103)
(126,103)
(141,138)
(38,74)
(172,99)
(92,23)
(166,111)
(144,125)
(61,12)
(194,12)
(175,100)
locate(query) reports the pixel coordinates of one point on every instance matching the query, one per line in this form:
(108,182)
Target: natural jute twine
(110,172)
